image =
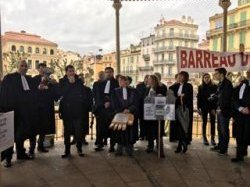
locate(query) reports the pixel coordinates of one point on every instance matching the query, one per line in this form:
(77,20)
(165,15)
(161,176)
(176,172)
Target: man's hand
(107,104)
(245,111)
(43,87)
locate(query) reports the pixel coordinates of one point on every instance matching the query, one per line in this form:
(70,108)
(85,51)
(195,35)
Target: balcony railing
(164,62)
(162,49)
(177,35)
(129,72)
(146,68)
(238,25)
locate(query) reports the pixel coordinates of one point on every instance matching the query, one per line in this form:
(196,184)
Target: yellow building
(37,49)
(169,35)
(130,61)
(238,28)
(109,60)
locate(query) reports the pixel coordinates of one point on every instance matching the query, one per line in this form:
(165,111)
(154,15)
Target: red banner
(199,61)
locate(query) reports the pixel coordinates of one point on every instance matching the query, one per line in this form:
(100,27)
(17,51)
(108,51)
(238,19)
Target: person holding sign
(123,99)
(154,90)
(183,91)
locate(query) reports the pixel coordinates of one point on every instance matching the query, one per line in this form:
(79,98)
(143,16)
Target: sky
(85,26)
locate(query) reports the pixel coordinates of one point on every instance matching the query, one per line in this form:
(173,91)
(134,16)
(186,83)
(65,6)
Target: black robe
(187,90)
(242,122)
(88,102)
(24,104)
(46,100)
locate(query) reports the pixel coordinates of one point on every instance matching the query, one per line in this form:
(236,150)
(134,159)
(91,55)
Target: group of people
(32,100)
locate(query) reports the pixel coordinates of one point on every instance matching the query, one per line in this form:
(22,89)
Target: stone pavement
(198,167)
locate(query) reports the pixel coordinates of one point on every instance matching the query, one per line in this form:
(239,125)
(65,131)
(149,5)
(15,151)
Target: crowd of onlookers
(32,99)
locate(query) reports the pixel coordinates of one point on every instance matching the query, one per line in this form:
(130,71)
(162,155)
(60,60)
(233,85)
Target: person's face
(248,75)
(123,83)
(150,82)
(23,68)
(41,70)
(217,76)
(181,78)
(146,80)
(207,79)
(101,76)
(109,73)
(70,72)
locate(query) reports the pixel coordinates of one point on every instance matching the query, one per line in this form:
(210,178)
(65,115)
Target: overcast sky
(87,25)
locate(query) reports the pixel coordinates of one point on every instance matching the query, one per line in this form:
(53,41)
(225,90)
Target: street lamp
(225,4)
(117,6)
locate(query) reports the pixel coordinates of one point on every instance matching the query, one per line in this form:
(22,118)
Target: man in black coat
(18,94)
(141,89)
(241,115)
(103,109)
(224,96)
(71,109)
(47,90)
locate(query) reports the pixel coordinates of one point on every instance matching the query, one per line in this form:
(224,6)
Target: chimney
(23,32)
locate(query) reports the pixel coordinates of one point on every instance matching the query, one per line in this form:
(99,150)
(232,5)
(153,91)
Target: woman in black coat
(154,90)
(184,93)
(206,104)
(124,100)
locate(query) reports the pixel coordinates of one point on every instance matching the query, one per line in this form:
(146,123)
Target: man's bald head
(22,67)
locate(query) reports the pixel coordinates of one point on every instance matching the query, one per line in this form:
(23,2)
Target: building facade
(146,65)
(129,62)
(169,35)
(109,60)
(32,47)
(238,28)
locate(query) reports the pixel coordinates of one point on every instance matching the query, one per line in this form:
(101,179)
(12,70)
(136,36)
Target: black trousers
(143,128)
(7,154)
(204,116)
(73,126)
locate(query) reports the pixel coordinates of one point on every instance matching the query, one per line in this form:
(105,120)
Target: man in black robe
(141,89)
(47,91)
(18,94)
(103,109)
(241,115)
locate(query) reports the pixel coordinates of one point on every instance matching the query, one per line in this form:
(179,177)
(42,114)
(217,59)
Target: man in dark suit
(224,96)
(47,93)
(241,115)
(103,109)
(18,95)
(141,89)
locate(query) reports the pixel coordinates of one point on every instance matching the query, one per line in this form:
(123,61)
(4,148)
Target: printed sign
(6,130)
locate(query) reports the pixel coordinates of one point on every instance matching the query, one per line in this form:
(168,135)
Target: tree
(89,76)
(12,59)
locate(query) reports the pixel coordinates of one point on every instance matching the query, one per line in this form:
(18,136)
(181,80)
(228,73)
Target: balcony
(177,36)
(129,72)
(234,26)
(146,68)
(146,57)
(164,62)
(163,49)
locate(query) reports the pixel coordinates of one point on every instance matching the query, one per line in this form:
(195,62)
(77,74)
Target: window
(37,50)
(21,49)
(13,48)
(186,43)
(37,63)
(162,57)
(180,43)
(171,31)
(192,44)
(51,52)
(44,51)
(231,42)
(170,56)
(170,70)
(215,44)
(29,64)
(243,37)
(29,49)
(45,62)
(219,24)
(171,44)
(231,21)
(132,59)
(243,18)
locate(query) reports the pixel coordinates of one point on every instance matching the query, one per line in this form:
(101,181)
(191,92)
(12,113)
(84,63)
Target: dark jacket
(73,99)
(141,89)
(205,101)
(225,95)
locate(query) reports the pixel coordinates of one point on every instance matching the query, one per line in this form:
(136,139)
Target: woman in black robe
(124,100)
(154,90)
(184,93)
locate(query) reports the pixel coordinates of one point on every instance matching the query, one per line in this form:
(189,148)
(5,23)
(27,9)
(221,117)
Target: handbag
(182,114)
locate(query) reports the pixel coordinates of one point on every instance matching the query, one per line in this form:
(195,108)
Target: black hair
(130,79)
(185,75)
(42,65)
(109,68)
(222,71)
(69,67)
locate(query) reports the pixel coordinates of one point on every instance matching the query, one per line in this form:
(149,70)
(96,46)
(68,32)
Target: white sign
(6,130)
(149,111)
(169,110)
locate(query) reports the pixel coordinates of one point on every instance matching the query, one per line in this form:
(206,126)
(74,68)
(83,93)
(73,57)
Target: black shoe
(213,142)
(105,142)
(24,157)
(80,154)
(179,148)
(185,147)
(98,149)
(7,164)
(112,150)
(66,155)
(222,153)
(31,156)
(237,160)
(215,149)
(42,150)
(205,142)
(162,155)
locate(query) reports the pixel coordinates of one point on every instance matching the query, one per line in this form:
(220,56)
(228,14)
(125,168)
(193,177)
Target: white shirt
(242,90)
(107,87)
(125,93)
(180,89)
(25,83)
(151,92)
